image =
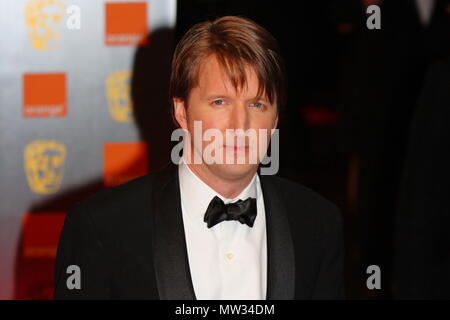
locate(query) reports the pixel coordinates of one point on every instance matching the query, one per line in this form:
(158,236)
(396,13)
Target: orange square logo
(123,162)
(41,234)
(44,95)
(126,23)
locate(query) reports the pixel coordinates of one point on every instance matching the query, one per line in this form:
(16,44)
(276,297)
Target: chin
(234,171)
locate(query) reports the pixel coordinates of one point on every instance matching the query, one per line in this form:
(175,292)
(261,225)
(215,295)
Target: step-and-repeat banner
(68,127)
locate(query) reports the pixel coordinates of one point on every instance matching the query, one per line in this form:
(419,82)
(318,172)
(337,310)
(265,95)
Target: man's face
(218,105)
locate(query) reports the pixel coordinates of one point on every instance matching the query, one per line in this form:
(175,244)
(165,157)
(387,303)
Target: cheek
(266,122)
(207,118)
(263,129)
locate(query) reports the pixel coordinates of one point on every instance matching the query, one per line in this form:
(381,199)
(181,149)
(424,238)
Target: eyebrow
(215,96)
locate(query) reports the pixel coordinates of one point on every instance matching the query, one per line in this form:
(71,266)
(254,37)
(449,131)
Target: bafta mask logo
(118,89)
(43,19)
(44,165)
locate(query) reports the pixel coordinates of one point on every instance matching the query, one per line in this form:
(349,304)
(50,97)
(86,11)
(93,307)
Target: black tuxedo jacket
(129,243)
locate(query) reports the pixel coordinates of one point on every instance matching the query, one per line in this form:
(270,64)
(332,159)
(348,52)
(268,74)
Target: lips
(237,149)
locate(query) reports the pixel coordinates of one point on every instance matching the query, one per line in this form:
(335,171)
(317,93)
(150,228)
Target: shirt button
(230,256)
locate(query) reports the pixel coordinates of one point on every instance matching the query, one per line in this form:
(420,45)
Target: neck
(227,187)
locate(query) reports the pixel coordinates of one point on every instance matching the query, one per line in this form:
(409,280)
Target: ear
(180,112)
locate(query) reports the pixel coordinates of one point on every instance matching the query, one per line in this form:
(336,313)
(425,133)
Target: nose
(239,118)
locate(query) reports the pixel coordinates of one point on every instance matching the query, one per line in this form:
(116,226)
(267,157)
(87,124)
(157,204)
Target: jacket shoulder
(132,194)
(301,200)
(119,209)
(118,197)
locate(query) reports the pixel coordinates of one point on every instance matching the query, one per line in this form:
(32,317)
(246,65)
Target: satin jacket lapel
(280,247)
(172,270)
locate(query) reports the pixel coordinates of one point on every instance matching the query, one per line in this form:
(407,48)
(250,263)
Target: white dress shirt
(229,260)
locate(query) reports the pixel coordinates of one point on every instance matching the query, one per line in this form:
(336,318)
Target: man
(209,230)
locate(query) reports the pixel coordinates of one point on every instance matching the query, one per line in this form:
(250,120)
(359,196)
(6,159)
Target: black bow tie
(242,211)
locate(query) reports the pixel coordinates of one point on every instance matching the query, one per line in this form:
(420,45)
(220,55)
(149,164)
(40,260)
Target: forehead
(213,78)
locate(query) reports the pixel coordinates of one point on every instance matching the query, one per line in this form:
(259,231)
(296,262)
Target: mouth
(237,149)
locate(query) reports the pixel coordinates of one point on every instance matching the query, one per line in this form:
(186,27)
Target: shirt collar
(196,194)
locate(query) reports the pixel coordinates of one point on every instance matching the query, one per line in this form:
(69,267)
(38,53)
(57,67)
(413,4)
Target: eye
(258,105)
(218,102)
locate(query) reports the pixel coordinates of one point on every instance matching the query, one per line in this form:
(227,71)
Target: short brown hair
(236,42)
